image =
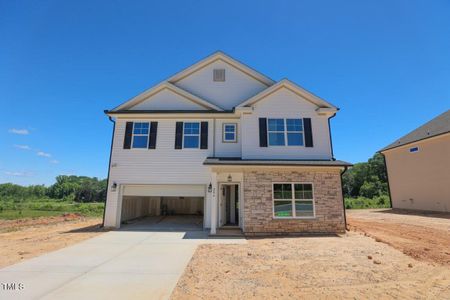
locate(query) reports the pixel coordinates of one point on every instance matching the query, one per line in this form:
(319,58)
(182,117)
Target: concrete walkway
(145,263)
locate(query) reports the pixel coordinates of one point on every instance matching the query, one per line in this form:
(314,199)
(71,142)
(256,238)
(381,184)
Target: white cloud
(19,131)
(54,161)
(23,147)
(44,154)
(18,174)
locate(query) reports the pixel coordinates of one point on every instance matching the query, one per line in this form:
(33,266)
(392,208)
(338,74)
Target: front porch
(226,203)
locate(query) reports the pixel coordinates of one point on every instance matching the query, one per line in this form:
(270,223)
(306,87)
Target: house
(418,167)
(221,140)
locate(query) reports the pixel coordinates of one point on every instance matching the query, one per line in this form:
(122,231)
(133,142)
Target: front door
(229,205)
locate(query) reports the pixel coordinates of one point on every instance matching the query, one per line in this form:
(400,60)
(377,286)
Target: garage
(176,204)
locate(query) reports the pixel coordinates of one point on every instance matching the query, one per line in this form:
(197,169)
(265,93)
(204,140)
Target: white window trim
(140,134)
(293,201)
(285,133)
(224,140)
(192,134)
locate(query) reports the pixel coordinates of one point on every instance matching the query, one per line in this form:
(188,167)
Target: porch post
(214,202)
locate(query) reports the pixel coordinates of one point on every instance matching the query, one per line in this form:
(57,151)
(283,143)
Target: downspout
(109,168)
(343,198)
(214,137)
(387,179)
(331,140)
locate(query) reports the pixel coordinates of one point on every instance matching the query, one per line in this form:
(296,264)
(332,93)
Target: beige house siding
(258,203)
(421,180)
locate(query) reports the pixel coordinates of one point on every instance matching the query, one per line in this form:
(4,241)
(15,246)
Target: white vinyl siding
(284,104)
(163,165)
(237,87)
(167,100)
(224,149)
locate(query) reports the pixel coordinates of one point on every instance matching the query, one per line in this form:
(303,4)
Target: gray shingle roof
(237,161)
(437,126)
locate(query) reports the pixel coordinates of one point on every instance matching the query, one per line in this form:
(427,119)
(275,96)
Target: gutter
(343,199)
(109,168)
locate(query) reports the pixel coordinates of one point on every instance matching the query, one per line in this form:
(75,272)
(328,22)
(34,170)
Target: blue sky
(386,64)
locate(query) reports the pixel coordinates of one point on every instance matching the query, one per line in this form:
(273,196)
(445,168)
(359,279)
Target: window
(219,75)
(140,135)
(229,132)
(293,200)
(191,135)
(285,131)
(414,149)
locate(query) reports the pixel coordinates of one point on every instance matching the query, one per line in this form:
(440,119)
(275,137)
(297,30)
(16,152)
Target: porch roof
(238,161)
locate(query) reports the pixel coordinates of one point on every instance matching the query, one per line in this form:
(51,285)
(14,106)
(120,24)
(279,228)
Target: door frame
(220,199)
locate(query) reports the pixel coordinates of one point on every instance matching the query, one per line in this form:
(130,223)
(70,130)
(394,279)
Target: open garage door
(162,200)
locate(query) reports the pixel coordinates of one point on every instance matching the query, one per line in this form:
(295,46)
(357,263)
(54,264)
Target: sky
(385,64)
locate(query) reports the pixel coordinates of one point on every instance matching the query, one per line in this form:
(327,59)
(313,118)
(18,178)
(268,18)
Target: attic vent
(219,74)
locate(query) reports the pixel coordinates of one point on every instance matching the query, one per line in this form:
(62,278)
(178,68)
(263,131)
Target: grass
(362,202)
(27,213)
(43,207)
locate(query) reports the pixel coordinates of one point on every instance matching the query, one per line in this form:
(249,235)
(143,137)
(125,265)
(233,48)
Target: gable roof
(285,83)
(437,126)
(166,85)
(226,58)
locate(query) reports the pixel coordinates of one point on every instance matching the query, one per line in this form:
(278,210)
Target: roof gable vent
(219,75)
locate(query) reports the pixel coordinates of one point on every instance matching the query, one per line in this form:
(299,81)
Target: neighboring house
(222,140)
(418,167)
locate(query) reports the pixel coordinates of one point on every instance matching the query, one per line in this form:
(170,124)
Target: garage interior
(139,207)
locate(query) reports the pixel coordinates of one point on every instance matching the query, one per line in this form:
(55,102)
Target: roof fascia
(167,85)
(226,58)
(293,88)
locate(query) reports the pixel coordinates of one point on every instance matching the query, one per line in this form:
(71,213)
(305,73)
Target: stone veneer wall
(258,206)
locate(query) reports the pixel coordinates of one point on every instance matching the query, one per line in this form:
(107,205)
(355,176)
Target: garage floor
(165,223)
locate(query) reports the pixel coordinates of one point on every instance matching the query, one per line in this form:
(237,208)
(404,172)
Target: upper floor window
(191,135)
(283,132)
(293,200)
(414,149)
(140,135)
(229,132)
(219,75)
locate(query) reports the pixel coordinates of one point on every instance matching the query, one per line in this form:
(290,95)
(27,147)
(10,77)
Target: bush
(363,202)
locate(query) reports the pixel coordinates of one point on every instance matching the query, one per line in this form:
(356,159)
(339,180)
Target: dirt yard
(350,266)
(25,238)
(424,236)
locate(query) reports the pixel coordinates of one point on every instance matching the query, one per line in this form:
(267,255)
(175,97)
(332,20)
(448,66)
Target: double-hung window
(282,132)
(140,135)
(293,200)
(191,135)
(229,132)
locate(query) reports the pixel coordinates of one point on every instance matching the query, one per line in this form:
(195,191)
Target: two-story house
(226,142)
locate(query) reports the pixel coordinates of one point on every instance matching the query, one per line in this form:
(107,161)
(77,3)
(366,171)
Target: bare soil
(353,265)
(26,238)
(421,235)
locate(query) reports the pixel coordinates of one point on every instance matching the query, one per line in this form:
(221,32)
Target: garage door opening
(173,212)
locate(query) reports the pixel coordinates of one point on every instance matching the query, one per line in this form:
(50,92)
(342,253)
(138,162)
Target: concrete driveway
(141,261)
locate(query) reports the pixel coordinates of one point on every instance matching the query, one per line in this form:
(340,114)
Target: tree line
(70,188)
(366,179)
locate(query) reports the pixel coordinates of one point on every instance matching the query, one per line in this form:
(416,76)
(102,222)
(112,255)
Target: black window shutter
(204,135)
(152,136)
(128,134)
(308,132)
(262,132)
(179,135)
